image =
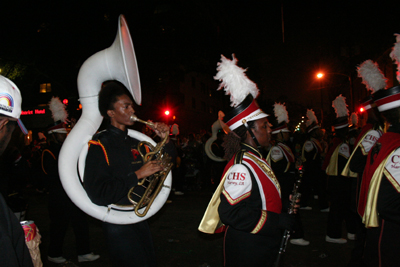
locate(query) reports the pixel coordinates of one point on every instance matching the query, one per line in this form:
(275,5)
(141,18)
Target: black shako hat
(387,99)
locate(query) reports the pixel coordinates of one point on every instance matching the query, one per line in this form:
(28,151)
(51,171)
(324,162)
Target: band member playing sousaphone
(113,166)
(248,199)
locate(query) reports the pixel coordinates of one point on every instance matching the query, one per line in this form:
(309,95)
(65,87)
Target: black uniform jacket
(112,160)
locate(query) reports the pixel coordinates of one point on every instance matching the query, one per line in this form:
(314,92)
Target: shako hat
(242,93)
(282,118)
(312,122)
(342,113)
(59,115)
(390,98)
(387,99)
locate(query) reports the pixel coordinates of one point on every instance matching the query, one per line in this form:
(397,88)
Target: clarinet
(295,196)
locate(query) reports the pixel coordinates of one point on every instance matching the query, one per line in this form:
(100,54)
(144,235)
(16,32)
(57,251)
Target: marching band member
(374,80)
(339,186)
(379,203)
(282,161)
(314,180)
(14,251)
(113,166)
(62,211)
(248,198)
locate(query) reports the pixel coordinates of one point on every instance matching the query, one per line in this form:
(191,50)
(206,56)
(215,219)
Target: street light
(321,74)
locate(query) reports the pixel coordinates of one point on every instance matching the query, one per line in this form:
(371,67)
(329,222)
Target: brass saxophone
(144,193)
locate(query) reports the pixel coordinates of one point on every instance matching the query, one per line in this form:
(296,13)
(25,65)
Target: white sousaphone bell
(217,125)
(118,62)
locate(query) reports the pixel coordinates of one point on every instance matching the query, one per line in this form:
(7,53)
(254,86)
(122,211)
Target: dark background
(282,43)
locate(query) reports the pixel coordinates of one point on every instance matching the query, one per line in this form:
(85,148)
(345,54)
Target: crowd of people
(352,171)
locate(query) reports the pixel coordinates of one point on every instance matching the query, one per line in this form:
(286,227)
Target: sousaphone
(118,62)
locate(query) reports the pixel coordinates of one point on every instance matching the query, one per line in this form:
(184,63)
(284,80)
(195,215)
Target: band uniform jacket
(356,164)
(250,207)
(365,141)
(111,163)
(380,201)
(281,159)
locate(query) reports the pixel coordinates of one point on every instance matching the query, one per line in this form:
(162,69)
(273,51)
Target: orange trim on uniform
(261,222)
(98,143)
(51,153)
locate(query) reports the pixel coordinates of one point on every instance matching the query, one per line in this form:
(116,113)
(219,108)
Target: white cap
(10,101)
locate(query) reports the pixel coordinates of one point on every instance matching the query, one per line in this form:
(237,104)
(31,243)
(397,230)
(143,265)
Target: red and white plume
(371,76)
(234,81)
(280,113)
(340,106)
(311,117)
(395,54)
(58,110)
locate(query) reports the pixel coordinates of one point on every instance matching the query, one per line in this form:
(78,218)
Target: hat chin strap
(252,135)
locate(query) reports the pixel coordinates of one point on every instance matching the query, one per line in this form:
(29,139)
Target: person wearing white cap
(247,203)
(14,251)
(379,203)
(10,111)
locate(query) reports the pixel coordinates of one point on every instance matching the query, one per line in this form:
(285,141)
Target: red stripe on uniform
(272,198)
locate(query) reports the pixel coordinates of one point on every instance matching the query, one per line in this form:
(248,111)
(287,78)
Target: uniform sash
(346,170)
(287,152)
(330,162)
(211,222)
(316,144)
(372,178)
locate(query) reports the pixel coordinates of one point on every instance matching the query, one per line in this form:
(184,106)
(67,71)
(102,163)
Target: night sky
(47,41)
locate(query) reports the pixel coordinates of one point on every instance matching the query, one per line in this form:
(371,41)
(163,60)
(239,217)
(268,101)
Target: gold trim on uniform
(267,170)
(392,180)
(260,222)
(235,201)
(255,115)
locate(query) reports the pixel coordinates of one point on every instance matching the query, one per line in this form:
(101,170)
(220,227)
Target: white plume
(234,81)
(58,110)
(311,117)
(354,119)
(280,113)
(371,76)
(395,54)
(339,104)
